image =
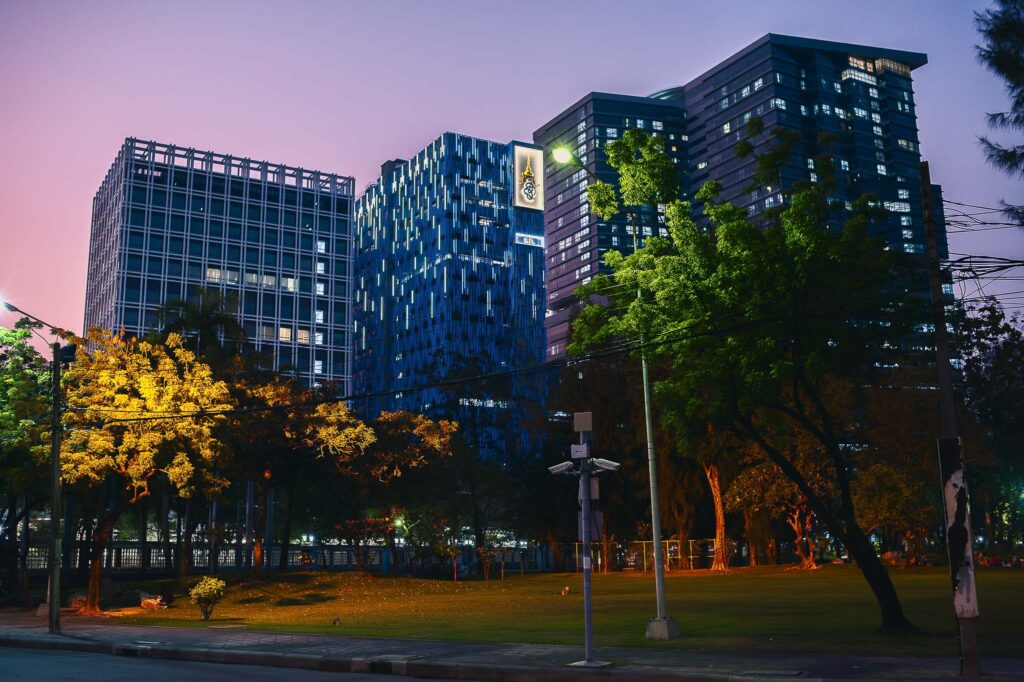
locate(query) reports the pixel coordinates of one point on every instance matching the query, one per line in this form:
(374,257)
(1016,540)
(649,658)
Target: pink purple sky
(342,86)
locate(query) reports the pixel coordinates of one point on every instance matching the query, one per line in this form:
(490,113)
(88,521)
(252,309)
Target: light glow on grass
(770,609)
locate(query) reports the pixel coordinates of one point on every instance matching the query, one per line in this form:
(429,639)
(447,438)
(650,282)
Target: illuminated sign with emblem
(529,178)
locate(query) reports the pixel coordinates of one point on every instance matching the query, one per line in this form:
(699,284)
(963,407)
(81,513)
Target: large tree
(139,410)
(1002,52)
(24,408)
(766,327)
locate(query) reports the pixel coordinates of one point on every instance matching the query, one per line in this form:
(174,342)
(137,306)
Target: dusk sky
(343,86)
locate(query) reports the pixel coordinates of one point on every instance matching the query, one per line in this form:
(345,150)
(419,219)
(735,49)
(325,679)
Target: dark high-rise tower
(576,240)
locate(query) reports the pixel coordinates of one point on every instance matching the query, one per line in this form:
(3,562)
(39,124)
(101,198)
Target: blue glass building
(450,284)
(170,221)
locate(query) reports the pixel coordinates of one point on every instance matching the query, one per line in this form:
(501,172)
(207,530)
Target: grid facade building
(576,239)
(169,222)
(450,277)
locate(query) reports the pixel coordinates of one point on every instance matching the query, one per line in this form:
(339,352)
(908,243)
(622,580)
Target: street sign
(579,451)
(583,421)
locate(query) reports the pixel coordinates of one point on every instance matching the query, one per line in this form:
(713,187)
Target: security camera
(605,464)
(563,468)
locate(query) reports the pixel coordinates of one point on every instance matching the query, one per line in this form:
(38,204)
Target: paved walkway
(468,661)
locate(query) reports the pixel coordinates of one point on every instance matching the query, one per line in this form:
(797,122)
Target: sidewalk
(467,661)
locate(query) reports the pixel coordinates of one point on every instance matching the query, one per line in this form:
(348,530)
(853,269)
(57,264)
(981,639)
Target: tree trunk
(799,519)
(258,531)
(192,520)
(165,530)
(141,527)
(250,502)
(214,538)
(845,529)
(455,568)
(100,538)
(282,564)
(23,554)
(721,561)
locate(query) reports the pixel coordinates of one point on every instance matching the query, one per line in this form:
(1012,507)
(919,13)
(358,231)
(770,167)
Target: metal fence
(130,556)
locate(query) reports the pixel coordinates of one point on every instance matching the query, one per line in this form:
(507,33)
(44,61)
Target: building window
(284,334)
(319,338)
(319,316)
(882,170)
(321,288)
(318,367)
(321,246)
(903,193)
(726,128)
(302,336)
(321,268)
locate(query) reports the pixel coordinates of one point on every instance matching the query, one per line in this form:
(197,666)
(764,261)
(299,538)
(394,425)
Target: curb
(479,672)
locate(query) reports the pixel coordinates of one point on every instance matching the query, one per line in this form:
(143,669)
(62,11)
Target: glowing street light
(561,155)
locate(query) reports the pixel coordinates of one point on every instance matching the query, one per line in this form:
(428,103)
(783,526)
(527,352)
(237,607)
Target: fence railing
(133,556)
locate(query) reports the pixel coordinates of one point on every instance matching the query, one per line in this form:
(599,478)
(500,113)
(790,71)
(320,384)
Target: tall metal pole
(588,622)
(55,508)
(661,626)
(955,498)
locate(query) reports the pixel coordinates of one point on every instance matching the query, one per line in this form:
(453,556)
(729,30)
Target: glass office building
(450,285)
(576,239)
(170,221)
(861,97)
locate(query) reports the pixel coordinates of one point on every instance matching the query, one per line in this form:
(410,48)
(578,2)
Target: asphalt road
(62,666)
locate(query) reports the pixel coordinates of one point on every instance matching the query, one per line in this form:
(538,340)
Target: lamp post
(662,626)
(59,354)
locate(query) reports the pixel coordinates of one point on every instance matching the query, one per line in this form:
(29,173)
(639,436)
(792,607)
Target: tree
(990,346)
(761,324)
(138,410)
(24,410)
(1002,52)
(209,323)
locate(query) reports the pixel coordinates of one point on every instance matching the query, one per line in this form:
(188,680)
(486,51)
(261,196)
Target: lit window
(321,246)
(319,338)
(302,336)
(321,267)
(844,164)
(284,334)
(882,170)
(657,125)
(318,367)
(726,127)
(319,316)
(321,288)
(903,193)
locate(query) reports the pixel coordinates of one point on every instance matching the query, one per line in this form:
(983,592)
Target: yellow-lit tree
(137,410)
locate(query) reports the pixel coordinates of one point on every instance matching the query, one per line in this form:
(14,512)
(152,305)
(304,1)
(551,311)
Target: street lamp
(59,355)
(662,626)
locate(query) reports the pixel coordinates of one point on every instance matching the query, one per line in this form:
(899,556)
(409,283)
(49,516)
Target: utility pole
(955,498)
(55,508)
(53,587)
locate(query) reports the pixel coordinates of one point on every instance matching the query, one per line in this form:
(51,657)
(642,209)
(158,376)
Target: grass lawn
(771,609)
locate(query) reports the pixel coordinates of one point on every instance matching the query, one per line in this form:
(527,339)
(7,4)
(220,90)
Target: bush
(206,594)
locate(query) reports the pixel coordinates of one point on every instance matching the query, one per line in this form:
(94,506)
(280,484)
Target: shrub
(206,594)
